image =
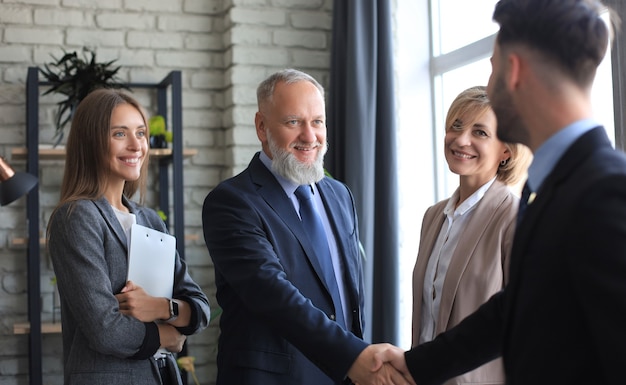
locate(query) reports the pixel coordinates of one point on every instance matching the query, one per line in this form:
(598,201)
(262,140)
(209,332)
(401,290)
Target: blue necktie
(315,230)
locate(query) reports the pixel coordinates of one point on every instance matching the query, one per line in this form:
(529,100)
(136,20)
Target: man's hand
(391,355)
(370,367)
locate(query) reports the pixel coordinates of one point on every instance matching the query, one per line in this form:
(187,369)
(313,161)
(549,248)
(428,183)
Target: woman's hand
(135,302)
(170,338)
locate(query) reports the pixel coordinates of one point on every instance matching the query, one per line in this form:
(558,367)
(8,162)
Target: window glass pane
(457,23)
(602,94)
(602,97)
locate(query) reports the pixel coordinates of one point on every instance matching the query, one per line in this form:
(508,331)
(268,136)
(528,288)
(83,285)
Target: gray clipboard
(151,258)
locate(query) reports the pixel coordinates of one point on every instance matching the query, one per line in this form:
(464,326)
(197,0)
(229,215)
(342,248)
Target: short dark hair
(570,33)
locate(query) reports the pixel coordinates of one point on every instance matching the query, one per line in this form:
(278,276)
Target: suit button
(332,317)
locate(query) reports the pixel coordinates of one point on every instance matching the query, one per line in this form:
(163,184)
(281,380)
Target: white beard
(288,166)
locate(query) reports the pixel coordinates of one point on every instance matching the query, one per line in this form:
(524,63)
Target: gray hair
(265,91)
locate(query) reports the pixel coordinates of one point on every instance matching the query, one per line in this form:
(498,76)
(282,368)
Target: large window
(430,75)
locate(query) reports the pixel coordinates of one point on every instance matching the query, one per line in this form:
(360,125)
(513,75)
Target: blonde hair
(474,101)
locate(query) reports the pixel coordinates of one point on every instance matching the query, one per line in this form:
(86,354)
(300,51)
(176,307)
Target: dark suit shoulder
(338,188)
(591,155)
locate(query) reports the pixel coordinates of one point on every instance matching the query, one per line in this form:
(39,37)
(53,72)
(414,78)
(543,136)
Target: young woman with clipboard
(113,331)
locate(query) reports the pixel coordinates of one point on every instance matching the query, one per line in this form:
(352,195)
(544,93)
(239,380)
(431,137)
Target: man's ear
(259,123)
(514,71)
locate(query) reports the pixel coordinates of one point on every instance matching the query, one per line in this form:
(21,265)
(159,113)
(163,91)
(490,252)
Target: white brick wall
(223,48)
(62,18)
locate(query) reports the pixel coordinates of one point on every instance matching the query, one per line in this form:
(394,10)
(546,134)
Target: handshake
(380,364)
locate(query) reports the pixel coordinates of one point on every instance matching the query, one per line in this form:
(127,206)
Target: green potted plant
(75,76)
(159,135)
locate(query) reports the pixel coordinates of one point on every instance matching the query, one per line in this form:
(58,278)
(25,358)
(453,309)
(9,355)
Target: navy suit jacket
(276,325)
(561,319)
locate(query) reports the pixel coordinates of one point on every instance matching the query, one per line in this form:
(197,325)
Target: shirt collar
(549,153)
(467,204)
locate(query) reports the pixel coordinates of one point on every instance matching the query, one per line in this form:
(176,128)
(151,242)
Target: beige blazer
(478,269)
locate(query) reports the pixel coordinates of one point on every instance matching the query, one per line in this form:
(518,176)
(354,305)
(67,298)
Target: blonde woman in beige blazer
(466,239)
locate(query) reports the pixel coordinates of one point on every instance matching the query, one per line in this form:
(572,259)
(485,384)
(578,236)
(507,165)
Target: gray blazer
(88,248)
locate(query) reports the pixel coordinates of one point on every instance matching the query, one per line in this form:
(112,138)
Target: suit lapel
(274,195)
(464,252)
(565,167)
(336,216)
(333,212)
(112,222)
(427,242)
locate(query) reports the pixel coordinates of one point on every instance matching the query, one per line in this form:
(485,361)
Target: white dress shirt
(441,256)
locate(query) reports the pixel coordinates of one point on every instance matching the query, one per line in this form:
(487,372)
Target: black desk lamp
(13,184)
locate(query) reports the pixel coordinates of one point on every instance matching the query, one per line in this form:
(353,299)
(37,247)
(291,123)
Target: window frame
(618,64)
(481,48)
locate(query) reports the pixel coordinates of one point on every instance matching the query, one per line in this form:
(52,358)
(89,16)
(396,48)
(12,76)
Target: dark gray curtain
(362,147)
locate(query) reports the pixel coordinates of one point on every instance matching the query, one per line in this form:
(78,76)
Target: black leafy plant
(75,76)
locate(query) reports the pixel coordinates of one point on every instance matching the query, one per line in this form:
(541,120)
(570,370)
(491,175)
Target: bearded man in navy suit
(282,321)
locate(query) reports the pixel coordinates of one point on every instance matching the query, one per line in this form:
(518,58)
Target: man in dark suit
(562,317)
(284,320)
